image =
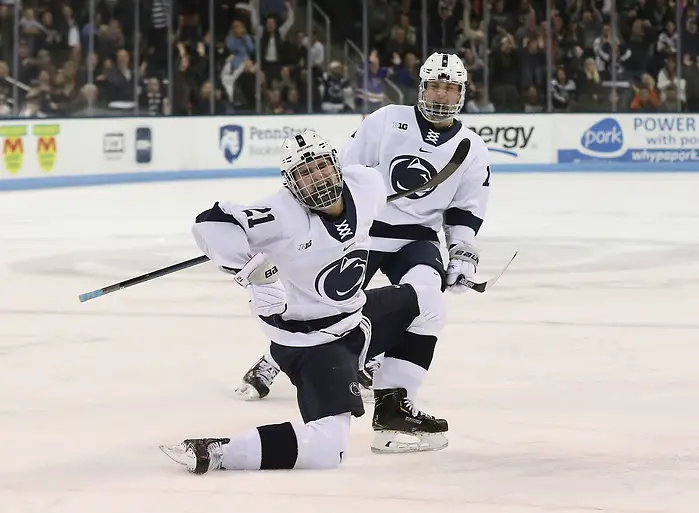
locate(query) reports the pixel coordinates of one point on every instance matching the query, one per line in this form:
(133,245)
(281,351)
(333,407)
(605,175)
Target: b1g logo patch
(342,279)
(410,172)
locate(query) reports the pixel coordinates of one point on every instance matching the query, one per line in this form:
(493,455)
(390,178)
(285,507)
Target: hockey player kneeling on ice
(407,145)
(310,305)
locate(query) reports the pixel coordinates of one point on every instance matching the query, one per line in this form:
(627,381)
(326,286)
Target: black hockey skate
(257,380)
(401,427)
(199,455)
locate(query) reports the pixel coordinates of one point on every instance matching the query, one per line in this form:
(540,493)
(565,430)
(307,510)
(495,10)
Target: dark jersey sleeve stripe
(216,215)
(458,217)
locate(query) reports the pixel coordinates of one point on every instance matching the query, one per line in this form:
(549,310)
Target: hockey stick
(482,287)
(460,154)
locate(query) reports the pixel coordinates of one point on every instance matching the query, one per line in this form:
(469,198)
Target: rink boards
(73,152)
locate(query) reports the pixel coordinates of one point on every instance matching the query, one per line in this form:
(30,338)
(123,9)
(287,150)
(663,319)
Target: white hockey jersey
(321,260)
(408,151)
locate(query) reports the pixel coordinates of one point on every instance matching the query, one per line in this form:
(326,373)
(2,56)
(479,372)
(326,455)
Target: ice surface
(570,387)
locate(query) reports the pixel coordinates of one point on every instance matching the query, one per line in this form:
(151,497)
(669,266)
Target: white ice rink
(570,387)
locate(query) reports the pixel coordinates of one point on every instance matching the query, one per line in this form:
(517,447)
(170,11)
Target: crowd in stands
(73,64)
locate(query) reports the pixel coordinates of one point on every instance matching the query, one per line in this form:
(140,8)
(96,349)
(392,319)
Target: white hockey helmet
(311,170)
(446,68)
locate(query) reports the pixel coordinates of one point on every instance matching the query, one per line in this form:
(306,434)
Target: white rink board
(570,387)
(72,152)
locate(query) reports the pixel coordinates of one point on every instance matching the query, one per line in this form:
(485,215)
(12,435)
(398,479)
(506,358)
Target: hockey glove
(261,280)
(463,261)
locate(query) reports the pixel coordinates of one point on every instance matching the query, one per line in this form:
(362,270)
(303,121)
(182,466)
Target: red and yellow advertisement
(13,147)
(46,149)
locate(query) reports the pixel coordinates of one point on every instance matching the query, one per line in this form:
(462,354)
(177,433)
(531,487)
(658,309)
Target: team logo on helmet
(410,172)
(342,279)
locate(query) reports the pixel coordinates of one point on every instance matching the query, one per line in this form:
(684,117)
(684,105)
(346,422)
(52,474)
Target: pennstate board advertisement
(648,138)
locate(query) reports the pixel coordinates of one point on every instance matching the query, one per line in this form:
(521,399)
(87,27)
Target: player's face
(316,181)
(319,171)
(445,93)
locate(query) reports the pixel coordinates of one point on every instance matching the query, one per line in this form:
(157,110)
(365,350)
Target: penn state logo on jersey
(342,279)
(409,172)
(231,142)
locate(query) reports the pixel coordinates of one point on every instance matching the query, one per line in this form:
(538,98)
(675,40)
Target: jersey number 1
(258,216)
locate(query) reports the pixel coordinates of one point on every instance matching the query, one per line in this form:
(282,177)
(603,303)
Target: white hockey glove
(260,278)
(463,261)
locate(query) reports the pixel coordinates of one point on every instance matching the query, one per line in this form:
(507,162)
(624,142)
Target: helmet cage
(316,181)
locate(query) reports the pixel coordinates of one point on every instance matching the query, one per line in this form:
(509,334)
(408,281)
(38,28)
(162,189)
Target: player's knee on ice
(428,286)
(323,442)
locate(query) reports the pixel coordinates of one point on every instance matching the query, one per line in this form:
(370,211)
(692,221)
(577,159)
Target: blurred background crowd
(70,58)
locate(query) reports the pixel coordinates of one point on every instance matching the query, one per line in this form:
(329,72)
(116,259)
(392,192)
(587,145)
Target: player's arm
(464,216)
(364,146)
(221,235)
(235,239)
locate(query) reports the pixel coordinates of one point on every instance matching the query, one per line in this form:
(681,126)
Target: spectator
(563,91)
(398,45)
(274,102)
(316,54)
(645,98)
(380,23)
(474,65)
(292,105)
(668,77)
(7,34)
(202,101)
(589,88)
(671,101)
(152,101)
(239,44)
(690,38)
(374,94)
(533,102)
(506,73)
(480,102)
(32,105)
(336,89)
(640,46)
(532,66)
(272,42)
(408,28)
(6,91)
(120,80)
(690,72)
(406,75)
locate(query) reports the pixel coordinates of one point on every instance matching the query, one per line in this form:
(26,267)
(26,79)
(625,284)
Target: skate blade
(247,392)
(396,442)
(179,454)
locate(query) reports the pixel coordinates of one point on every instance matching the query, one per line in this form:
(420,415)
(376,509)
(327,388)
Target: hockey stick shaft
(143,278)
(460,154)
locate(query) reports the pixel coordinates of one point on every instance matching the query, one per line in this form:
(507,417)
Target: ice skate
(400,427)
(257,380)
(199,455)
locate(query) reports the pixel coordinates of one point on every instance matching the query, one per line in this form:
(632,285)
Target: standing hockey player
(407,145)
(310,304)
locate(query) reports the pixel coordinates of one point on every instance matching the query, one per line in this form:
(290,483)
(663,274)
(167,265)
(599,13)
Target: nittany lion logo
(342,279)
(231,142)
(410,172)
